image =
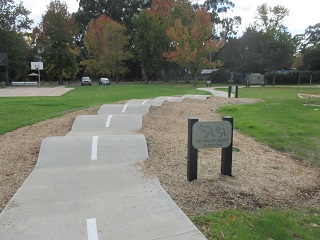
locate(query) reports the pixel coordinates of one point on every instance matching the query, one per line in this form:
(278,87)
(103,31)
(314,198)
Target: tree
(310,48)
(311,58)
(106,43)
(251,44)
(14,21)
(278,47)
(150,39)
(192,46)
(311,37)
(119,11)
(14,17)
(58,32)
(230,55)
(15,46)
(277,50)
(271,18)
(223,25)
(217,7)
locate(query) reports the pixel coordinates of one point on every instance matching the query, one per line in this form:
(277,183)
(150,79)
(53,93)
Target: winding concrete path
(89,185)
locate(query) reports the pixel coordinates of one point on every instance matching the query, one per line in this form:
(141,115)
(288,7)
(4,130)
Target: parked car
(86,81)
(104,81)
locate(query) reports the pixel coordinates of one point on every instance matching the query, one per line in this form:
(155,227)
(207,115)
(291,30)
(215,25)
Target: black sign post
(192,167)
(234,89)
(216,134)
(226,153)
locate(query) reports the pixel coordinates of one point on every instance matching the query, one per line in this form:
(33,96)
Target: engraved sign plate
(211,134)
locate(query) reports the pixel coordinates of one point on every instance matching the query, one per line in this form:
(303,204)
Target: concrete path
(123,109)
(106,124)
(89,185)
(216,92)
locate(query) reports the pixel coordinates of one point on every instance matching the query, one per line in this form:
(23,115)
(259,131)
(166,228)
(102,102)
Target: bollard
(226,153)
(229,91)
(192,165)
(237,90)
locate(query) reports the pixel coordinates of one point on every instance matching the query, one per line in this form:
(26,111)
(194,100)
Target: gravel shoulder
(261,175)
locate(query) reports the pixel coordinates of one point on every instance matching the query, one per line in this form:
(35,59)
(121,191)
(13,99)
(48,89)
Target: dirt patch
(261,176)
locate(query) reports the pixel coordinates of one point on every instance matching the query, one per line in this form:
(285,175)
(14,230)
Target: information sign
(216,134)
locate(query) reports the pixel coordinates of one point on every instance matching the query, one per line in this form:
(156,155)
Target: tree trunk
(117,76)
(195,79)
(274,78)
(7,76)
(60,79)
(144,75)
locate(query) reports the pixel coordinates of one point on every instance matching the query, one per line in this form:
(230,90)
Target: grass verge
(279,224)
(282,121)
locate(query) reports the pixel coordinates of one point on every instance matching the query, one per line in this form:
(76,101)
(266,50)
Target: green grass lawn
(16,112)
(277,224)
(282,121)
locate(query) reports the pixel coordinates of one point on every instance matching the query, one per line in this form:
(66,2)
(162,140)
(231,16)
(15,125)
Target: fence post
(192,165)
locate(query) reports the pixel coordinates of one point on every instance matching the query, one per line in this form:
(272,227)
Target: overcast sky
(302,14)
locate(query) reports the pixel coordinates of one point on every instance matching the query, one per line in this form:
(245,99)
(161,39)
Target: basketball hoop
(37,66)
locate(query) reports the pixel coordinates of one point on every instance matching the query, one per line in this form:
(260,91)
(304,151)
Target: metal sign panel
(211,134)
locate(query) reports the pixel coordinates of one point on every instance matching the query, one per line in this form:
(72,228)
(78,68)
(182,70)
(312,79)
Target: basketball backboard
(36,65)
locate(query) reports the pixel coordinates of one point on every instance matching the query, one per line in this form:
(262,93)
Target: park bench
(24,84)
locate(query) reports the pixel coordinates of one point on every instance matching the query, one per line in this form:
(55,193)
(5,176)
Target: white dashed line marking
(94,148)
(92,230)
(124,108)
(144,102)
(108,121)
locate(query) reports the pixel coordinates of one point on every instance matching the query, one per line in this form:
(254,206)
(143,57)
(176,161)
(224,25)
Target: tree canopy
(193,46)
(14,17)
(270,18)
(57,37)
(120,11)
(106,43)
(14,20)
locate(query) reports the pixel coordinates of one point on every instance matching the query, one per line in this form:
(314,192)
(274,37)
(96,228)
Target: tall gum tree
(192,46)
